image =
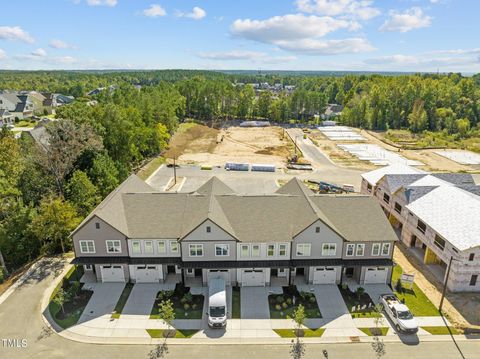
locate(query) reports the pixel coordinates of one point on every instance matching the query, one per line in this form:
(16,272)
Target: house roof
(451,212)
(138,211)
(374,176)
(396,181)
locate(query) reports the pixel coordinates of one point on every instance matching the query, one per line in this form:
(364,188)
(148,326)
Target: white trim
(113,242)
(145,247)
(274,249)
(241,250)
(170,246)
(379,249)
(197,245)
(87,242)
(164,247)
(222,255)
(360,245)
(388,245)
(306,245)
(286,249)
(350,245)
(328,251)
(259,250)
(139,247)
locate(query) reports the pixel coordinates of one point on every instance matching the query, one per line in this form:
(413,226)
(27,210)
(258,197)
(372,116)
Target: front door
(349,272)
(413,241)
(171,269)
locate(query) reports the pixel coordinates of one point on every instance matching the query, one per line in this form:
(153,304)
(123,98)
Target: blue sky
(393,35)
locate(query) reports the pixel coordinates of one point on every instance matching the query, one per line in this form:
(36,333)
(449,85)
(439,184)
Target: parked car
(399,314)
(217,303)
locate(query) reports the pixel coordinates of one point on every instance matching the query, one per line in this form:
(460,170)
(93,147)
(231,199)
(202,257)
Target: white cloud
(59,44)
(241,55)
(301,33)
(196,14)
(410,19)
(287,27)
(109,3)
(3,54)
(154,10)
(362,9)
(15,33)
(39,53)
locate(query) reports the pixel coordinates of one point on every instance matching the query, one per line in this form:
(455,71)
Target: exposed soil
(461,309)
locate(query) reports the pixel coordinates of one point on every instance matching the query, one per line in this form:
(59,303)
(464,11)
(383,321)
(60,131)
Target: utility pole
(445,284)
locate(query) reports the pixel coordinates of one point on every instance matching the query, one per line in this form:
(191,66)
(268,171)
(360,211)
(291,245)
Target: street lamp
(445,282)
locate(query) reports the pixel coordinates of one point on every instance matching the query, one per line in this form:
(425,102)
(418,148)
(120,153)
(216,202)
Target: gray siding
(316,240)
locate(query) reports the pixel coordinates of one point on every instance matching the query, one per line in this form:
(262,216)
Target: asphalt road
(20,318)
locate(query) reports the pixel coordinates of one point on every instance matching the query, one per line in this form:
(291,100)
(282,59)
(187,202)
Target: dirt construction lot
(206,146)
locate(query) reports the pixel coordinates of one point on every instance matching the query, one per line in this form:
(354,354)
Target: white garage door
(375,275)
(219,273)
(112,274)
(253,278)
(324,275)
(147,274)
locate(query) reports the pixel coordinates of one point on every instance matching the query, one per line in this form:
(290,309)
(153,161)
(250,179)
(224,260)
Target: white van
(217,303)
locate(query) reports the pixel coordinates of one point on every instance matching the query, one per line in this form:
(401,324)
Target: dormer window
(209,229)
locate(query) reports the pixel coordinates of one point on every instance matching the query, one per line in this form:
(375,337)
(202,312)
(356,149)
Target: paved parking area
(141,299)
(329,300)
(105,297)
(375,290)
(254,302)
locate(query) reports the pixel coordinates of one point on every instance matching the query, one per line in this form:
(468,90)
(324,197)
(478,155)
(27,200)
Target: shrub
(186,306)
(284,305)
(312,299)
(399,286)
(278,307)
(344,286)
(280,299)
(289,301)
(187,297)
(359,292)
(2,277)
(194,306)
(164,295)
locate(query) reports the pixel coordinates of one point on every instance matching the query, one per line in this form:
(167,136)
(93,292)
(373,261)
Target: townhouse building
(139,234)
(435,214)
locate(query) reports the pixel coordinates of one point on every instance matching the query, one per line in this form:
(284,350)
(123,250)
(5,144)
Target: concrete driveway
(375,290)
(329,300)
(105,297)
(141,299)
(254,303)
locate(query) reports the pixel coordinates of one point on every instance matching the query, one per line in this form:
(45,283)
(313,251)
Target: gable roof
(374,176)
(215,186)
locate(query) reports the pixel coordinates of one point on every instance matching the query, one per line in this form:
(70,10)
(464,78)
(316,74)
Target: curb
(19,281)
(154,173)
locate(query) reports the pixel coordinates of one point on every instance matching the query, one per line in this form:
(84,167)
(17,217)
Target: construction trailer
(231,166)
(263,168)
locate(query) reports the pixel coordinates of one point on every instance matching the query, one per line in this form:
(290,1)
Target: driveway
(141,299)
(105,297)
(329,300)
(254,303)
(375,290)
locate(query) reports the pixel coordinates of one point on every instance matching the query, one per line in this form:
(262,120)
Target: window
(88,267)
(196,250)
(282,250)
(398,208)
(87,247)
(471,257)
(114,247)
(385,249)
(317,229)
(255,250)
(149,247)
(174,246)
(270,250)
(222,250)
(473,280)
(161,247)
(190,271)
(386,198)
(360,249)
(329,249)
(209,229)
(303,249)
(244,250)
(422,227)
(97,225)
(136,247)
(369,187)
(439,242)
(376,249)
(350,249)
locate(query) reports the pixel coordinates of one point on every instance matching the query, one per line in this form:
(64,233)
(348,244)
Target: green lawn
(307,333)
(351,299)
(236,307)
(281,305)
(414,298)
(179,333)
(370,331)
(441,330)
(150,167)
(24,123)
(194,310)
(73,310)
(122,300)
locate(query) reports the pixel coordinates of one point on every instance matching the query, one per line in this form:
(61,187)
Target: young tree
(52,225)
(299,317)
(60,298)
(167,313)
(82,193)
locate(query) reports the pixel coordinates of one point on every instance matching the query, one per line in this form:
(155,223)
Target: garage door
(324,275)
(112,274)
(147,274)
(375,275)
(253,278)
(219,273)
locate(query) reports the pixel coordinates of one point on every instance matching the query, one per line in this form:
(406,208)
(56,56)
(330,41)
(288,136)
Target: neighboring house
(290,236)
(56,99)
(6,118)
(39,134)
(333,110)
(438,215)
(19,105)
